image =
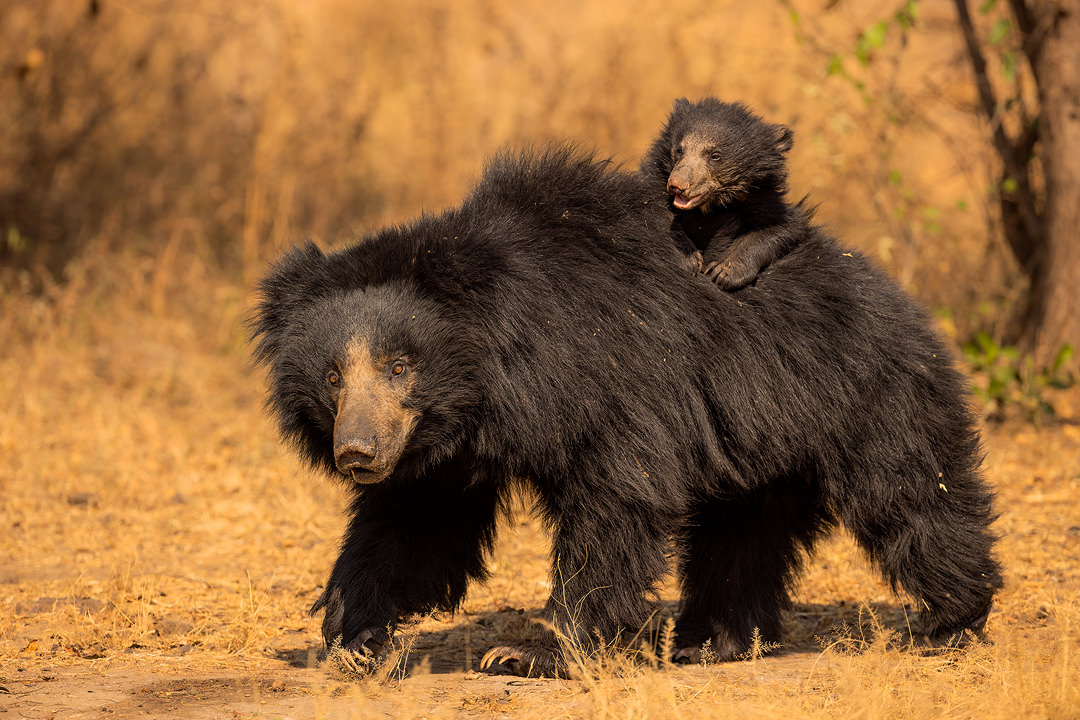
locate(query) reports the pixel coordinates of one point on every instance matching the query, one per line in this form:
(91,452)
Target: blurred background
(159,153)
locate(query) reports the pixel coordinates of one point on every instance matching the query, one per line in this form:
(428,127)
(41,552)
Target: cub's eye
(397,369)
(717,156)
(333,379)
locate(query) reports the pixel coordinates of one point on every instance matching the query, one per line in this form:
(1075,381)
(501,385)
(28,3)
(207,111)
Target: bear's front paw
(731,274)
(518,660)
(368,641)
(360,656)
(371,642)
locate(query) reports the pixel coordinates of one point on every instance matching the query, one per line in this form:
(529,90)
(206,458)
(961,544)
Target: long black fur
(557,340)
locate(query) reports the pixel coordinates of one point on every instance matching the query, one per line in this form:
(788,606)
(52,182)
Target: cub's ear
(292,280)
(784,138)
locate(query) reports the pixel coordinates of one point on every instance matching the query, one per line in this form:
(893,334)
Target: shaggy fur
(725,171)
(553,337)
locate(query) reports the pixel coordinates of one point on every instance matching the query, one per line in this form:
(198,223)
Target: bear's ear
(680,105)
(784,138)
(291,281)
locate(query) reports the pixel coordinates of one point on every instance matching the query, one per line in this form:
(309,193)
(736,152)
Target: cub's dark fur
(543,332)
(725,170)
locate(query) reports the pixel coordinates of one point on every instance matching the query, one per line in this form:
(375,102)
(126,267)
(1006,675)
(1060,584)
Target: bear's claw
(510,660)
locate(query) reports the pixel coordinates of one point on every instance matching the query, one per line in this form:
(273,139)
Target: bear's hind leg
(740,556)
(609,554)
(929,533)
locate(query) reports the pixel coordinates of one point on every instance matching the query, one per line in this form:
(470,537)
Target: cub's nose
(678,182)
(355,454)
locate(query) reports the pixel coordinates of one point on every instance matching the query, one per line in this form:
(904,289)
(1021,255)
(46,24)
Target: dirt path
(119,690)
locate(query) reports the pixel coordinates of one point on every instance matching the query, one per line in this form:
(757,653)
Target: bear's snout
(355,455)
(356,443)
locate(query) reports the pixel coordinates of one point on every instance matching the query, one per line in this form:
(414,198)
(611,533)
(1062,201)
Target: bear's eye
(397,369)
(716,156)
(333,379)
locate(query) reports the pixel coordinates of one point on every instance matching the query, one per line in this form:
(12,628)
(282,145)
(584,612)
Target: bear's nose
(355,454)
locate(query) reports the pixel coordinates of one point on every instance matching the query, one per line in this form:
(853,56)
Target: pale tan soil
(81,640)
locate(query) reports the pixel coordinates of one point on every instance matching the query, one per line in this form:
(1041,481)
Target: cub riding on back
(725,171)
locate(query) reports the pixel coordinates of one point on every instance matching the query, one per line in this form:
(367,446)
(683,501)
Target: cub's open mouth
(682,202)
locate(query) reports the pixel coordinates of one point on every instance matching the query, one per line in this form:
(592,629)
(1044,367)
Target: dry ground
(158,551)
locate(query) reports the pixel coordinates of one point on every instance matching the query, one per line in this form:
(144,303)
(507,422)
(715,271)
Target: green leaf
(1000,31)
(907,15)
(1063,383)
(875,34)
(1008,65)
(987,6)
(1009,185)
(835,65)
(962,205)
(872,39)
(894,177)
(1064,355)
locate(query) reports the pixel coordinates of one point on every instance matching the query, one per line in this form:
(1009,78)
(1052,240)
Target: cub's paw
(695,263)
(731,274)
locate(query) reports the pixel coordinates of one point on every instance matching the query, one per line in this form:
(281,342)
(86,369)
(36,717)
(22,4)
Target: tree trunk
(1054,317)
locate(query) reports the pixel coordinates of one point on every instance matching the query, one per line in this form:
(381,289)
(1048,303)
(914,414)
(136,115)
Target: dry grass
(240,126)
(158,549)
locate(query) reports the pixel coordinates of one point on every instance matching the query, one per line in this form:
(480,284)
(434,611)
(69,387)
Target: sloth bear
(725,170)
(544,333)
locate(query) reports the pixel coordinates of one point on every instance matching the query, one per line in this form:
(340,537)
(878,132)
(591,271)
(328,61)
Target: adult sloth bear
(545,332)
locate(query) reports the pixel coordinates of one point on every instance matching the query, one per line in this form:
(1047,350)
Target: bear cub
(725,171)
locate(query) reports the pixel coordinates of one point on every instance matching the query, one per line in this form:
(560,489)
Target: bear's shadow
(808,629)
